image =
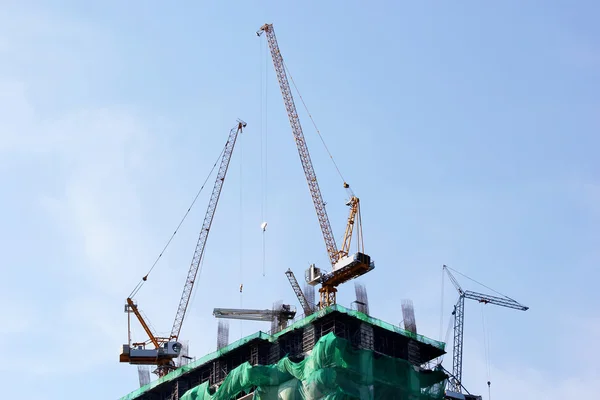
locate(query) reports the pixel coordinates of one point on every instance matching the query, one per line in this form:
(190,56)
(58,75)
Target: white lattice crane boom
(208,218)
(167,349)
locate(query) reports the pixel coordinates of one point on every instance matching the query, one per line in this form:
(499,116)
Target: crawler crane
(345,266)
(166,349)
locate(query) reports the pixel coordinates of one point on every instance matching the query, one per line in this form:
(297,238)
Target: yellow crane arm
(137,313)
(354,204)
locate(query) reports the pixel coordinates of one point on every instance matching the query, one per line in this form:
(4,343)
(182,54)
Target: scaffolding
(222,334)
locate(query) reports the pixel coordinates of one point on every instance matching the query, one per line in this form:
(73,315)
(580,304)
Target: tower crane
(166,349)
(344,265)
(280,315)
(455,381)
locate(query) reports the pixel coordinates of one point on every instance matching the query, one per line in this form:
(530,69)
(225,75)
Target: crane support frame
(133,307)
(308,310)
(327,295)
(457,355)
(353,216)
(208,219)
(309,172)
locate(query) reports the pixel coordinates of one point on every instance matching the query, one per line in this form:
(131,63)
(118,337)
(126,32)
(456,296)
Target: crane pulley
(345,266)
(167,349)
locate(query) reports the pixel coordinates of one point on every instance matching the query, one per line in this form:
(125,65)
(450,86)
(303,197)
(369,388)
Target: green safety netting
(363,317)
(333,371)
(264,336)
(193,365)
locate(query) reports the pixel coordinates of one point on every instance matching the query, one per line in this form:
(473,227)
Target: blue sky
(469,132)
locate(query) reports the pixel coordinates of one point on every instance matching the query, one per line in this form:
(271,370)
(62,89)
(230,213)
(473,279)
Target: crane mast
(309,172)
(459,319)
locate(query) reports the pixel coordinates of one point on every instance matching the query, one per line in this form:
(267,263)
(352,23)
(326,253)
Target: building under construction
(333,353)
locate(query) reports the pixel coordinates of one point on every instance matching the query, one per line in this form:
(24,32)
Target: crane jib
(309,172)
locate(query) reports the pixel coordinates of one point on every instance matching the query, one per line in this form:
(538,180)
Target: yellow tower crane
(344,265)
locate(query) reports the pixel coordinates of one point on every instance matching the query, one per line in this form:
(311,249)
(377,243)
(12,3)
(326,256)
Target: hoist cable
(263,150)
(447,337)
(241,219)
(263,253)
(145,277)
(314,124)
(479,283)
(442,307)
(262,183)
(486,347)
(266,128)
(450,328)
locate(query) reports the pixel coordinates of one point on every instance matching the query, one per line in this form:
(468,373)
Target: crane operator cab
(359,262)
(288,311)
(345,268)
(138,354)
(171,349)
